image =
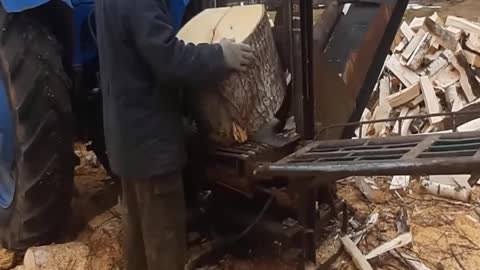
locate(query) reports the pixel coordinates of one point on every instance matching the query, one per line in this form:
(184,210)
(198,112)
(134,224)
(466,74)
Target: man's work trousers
(154,223)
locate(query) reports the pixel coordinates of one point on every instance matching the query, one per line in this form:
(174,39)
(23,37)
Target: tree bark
(237,107)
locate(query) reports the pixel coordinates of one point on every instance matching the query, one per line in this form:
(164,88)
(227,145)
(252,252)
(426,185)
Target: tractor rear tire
(38,90)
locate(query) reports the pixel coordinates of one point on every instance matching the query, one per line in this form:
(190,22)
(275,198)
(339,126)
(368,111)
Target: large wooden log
(237,107)
(69,256)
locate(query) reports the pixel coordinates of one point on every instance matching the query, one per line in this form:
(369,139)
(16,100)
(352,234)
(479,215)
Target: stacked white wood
(434,67)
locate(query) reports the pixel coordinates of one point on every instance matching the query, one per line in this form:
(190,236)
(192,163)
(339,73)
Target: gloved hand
(237,55)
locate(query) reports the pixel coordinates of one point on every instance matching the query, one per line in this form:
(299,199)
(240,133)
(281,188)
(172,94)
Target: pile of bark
(434,68)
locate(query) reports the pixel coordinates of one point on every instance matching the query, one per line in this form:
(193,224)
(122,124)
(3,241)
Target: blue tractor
(48,96)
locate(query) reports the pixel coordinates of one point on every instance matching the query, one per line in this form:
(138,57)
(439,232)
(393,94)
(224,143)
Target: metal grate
(446,153)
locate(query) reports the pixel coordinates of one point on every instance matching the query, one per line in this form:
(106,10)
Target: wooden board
(463,24)
(234,109)
(431,100)
(403,96)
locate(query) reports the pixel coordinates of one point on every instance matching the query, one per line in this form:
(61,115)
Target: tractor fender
(21,5)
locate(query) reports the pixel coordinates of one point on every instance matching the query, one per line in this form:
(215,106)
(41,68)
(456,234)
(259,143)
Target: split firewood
(229,112)
(472,59)
(404,74)
(446,77)
(466,79)
(444,37)
(447,191)
(437,19)
(69,256)
(439,64)
(403,112)
(430,57)
(408,122)
(406,31)
(463,24)
(415,102)
(403,96)
(455,101)
(455,32)
(398,242)
(358,259)
(416,60)
(417,23)
(384,88)
(414,43)
(369,189)
(431,100)
(382,111)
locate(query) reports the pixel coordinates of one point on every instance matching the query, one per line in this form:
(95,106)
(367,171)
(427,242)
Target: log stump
(69,256)
(237,107)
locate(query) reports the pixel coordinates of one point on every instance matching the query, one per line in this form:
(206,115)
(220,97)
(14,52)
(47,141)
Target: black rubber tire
(31,65)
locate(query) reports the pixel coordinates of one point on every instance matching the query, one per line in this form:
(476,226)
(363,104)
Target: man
(142,67)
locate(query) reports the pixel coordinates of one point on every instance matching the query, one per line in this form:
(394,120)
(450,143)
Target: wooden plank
(414,43)
(416,60)
(358,259)
(406,31)
(404,74)
(403,96)
(398,242)
(417,23)
(463,24)
(406,123)
(431,100)
(445,38)
(470,85)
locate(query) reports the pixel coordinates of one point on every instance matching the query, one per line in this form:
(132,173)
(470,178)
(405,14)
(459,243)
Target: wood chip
(397,242)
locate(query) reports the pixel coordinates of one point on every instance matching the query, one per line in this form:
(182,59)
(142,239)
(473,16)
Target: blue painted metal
(85,47)
(21,5)
(7,148)
(177,10)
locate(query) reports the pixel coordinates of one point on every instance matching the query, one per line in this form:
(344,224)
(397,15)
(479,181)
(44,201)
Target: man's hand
(237,55)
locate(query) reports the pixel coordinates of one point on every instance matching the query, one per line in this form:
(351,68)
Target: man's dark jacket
(142,67)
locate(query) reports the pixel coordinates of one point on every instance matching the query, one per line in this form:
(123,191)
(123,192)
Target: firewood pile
(434,68)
